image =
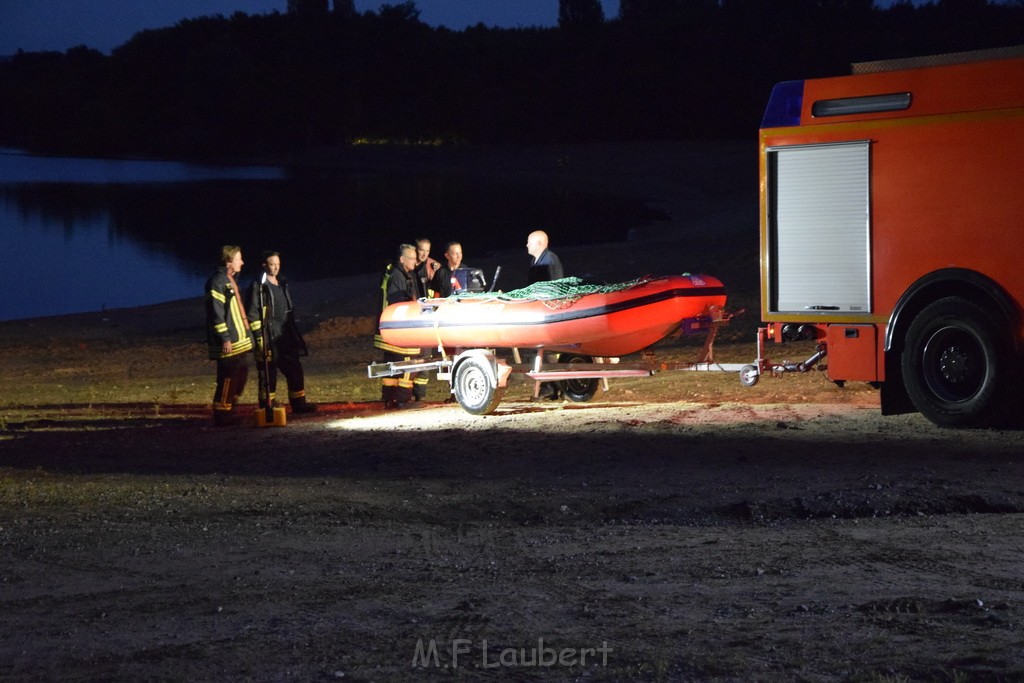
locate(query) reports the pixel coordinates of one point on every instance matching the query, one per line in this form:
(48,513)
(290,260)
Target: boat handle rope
(437,335)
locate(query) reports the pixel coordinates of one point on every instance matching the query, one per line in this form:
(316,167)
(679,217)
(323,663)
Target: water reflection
(84,234)
(80,263)
(69,246)
(18,167)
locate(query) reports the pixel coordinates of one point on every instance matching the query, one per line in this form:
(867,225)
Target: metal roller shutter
(819,228)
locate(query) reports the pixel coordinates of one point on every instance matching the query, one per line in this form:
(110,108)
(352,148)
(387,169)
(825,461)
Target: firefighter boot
(224,417)
(301,406)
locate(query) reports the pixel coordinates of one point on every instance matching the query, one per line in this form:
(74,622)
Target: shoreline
(703,193)
(357,295)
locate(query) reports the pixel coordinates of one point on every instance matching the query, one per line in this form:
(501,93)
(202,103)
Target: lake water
(83,235)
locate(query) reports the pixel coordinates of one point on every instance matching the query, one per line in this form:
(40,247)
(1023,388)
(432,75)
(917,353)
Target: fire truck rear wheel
(954,364)
(579,390)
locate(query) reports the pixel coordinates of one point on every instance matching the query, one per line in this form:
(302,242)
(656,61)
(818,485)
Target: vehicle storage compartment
(852,352)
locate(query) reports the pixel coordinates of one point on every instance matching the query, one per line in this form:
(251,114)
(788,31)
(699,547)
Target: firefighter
(398,284)
(286,342)
(445,280)
(228,335)
(426,268)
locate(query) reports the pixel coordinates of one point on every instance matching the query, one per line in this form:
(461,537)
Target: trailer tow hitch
(749,374)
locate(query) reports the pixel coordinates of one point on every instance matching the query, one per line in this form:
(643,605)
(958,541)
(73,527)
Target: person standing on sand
(545,264)
(426,268)
(228,336)
(445,282)
(282,333)
(398,284)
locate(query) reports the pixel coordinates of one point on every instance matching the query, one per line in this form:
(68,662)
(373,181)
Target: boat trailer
(479,377)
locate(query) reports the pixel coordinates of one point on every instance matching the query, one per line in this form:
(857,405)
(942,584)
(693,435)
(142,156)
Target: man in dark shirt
(545,264)
(445,282)
(272,309)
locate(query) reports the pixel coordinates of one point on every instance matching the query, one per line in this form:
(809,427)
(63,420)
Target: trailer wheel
(953,364)
(578,390)
(749,375)
(473,388)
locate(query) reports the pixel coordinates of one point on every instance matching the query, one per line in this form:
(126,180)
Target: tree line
(319,76)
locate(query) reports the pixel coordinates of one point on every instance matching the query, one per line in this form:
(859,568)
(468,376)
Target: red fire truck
(892,231)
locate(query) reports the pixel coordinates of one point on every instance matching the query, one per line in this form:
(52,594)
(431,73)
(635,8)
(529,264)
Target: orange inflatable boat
(563,315)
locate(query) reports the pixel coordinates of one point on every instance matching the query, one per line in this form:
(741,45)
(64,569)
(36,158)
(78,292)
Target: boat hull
(603,324)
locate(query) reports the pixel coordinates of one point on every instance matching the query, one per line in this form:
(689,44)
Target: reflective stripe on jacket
(224,319)
(396,286)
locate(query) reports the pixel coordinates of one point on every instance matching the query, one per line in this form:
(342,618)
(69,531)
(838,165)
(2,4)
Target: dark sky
(35,25)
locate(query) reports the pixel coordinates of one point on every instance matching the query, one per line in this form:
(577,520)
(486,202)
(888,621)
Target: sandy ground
(678,527)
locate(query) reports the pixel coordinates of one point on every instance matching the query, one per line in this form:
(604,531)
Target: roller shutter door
(819,228)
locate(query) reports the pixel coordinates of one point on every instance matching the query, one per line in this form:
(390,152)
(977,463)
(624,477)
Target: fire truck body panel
(882,193)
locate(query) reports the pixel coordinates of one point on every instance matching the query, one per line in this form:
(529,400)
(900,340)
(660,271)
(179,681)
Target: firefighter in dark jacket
(399,284)
(424,272)
(286,344)
(228,335)
(426,268)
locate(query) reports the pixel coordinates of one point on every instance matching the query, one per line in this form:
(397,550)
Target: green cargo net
(554,293)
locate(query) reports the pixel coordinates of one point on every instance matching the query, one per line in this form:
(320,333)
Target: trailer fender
(484,358)
(500,371)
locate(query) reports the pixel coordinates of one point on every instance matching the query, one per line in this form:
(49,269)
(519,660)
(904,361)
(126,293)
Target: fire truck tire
(578,390)
(748,375)
(473,388)
(954,364)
